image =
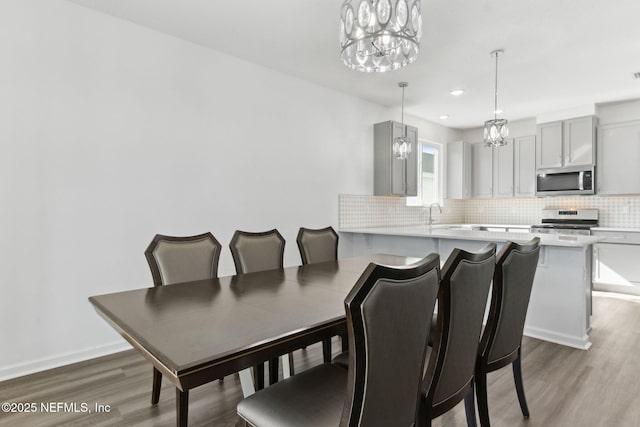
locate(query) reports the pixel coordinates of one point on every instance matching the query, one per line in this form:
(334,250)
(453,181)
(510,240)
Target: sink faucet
(431,206)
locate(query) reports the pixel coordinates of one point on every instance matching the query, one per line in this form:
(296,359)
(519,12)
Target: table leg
(182,407)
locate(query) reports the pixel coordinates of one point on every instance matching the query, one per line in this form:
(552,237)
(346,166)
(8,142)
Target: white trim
(440,167)
(30,367)
(581,343)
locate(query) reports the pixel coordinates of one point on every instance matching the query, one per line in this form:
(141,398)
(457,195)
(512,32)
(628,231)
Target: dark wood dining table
(197,332)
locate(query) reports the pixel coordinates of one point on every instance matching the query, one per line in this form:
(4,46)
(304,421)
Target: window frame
(417,201)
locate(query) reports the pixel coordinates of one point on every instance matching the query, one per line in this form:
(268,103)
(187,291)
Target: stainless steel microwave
(565,181)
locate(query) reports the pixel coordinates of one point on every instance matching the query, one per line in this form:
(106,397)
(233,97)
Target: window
(430,180)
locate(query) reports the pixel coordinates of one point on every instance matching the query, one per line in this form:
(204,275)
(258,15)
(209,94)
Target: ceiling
(559,54)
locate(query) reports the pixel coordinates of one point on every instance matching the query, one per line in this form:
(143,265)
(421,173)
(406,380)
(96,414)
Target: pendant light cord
(402,105)
(495,102)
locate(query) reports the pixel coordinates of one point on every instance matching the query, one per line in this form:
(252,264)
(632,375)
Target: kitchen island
(560,306)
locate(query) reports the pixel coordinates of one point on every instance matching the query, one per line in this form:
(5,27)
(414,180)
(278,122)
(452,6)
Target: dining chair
(180,259)
(319,245)
(253,252)
(257,251)
(501,342)
(462,299)
(388,308)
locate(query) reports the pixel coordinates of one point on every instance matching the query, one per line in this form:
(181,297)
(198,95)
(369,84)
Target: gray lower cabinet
(615,262)
(393,176)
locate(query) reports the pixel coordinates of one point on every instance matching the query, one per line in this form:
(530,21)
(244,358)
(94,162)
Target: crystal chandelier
(379,35)
(496,130)
(402,144)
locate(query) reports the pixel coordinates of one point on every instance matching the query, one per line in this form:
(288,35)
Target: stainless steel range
(567,221)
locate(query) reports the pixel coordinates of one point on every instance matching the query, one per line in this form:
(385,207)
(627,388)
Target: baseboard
(30,367)
(617,288)
(581,343)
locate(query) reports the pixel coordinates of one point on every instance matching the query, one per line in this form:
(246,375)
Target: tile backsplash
(381,211)
(375,211)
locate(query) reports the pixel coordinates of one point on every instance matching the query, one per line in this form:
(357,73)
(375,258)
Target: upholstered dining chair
(180,259)
(257,251)
(260,251)
(462,299)
(388,308)
(319,245)
(501,342)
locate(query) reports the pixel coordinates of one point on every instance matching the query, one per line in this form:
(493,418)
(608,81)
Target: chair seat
(314,397)
(342,360)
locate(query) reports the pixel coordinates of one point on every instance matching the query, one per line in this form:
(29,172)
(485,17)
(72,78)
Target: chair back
(512,282)
(317,245)
(183,259)
(388,320)
(464,289)
(257,251)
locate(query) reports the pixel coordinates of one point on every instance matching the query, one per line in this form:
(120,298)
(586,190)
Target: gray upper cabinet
(566,143)
(393,176)
(618,159)
(459,170)
(503,171)
(549,146)
(482,171)
(524,170)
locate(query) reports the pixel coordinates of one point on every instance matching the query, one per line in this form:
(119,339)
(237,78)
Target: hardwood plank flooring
(564,387)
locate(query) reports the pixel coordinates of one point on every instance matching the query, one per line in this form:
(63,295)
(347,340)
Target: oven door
(561,182)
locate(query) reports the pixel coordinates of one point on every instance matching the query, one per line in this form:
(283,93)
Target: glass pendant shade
(379,35)
(496,130)
(402,148)
(495,133)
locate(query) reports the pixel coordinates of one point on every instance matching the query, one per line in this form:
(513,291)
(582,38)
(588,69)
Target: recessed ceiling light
(498,111)
(457,92)
(444,117)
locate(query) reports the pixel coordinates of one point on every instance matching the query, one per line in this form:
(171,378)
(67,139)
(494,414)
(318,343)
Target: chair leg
(326,350)
(517,378)
(470,408)
(258,376)
(157,384)
(273,371)
(345,343)
(481,394)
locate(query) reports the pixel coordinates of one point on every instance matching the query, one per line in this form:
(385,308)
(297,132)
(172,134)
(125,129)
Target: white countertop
(464,232)
(621,230)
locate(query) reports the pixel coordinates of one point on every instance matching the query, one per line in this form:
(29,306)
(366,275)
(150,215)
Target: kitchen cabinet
(615,262)
(618,159)
(482,171)
(393,176)
(459,170)
(503,171)
(566,143)
(524,168)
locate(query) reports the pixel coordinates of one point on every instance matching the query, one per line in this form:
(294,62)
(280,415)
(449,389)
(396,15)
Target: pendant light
(496,130)
(378,36)
(402,144)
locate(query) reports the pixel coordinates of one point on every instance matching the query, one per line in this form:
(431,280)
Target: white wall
(111,133)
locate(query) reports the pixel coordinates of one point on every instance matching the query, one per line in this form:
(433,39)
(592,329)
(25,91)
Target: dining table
(200,331)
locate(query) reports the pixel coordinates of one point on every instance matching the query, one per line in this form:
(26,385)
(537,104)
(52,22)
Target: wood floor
(564,387)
